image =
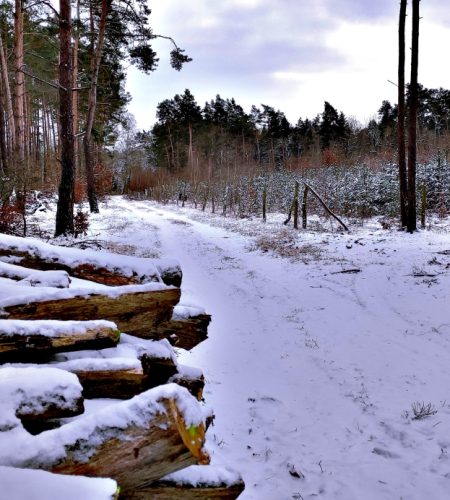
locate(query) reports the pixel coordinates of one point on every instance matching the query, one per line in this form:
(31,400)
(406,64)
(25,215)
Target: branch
(43,2)
(167,38)
(325,206)
(51,84)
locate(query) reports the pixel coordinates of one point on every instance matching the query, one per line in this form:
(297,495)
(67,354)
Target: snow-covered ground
(317,361)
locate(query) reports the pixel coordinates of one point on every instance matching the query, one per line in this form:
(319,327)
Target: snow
(58,279)
(83,435)
(182,311)
(198,475)
(129,347)
(100,364)
(26,484)
(145,269)
(11,294)
(31,389)
(314,372)
(50,328)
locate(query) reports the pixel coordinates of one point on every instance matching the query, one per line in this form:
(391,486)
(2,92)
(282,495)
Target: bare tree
(412,119)
(401,115)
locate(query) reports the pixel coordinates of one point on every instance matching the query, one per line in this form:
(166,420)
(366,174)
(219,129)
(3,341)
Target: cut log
(33,341)
(191,378)
(100,267)
(187,328)
(136,309)
(168,491)
(183,333)
(120,378)
(37,394)
(115,378)
(135,442)
(193,483)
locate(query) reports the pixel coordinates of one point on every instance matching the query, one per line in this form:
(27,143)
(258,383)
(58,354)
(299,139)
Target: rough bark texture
(183,333)
(38,346)
(401,115)
(412,119)
(64,212)
(165,490)
(139,455)
(124,383)
(135,313)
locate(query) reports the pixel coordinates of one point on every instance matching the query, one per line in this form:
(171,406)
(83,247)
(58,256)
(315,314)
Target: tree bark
(183,333)
(19,89)
(134,312)
(64,212)
(140,453)
(8,103)
(412,119)
(30,342)
(401,116)
(92,106)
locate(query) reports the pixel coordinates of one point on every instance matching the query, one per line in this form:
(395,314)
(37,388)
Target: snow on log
(100,267)
(135,442)
(193,483)
(23,340)
(26,484)
(26,276)
(33,394)
(134,366)
(120,378)
(136,309)
(191,378)
(187,328)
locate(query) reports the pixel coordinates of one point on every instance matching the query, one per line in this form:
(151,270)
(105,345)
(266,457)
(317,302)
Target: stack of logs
(97,301)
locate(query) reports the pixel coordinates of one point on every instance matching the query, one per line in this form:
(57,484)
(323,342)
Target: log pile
(78,326)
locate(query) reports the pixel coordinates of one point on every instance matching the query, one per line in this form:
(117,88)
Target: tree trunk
(412,121)
(401,116)
(305,207)
(92,105)
(295,205)
(7,99)
(64,212)
(75,99)
(19,89)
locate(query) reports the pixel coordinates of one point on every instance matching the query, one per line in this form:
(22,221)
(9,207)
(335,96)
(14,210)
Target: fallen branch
(326,207)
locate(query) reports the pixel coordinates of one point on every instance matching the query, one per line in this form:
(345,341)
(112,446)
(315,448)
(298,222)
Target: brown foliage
(10,217)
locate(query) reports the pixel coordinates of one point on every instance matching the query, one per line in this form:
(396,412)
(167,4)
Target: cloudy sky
(290,54)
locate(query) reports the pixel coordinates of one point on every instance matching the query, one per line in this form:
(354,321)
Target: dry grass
(126,249)
(284,243)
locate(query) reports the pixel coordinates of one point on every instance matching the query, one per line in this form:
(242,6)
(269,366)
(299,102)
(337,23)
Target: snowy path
(310,371)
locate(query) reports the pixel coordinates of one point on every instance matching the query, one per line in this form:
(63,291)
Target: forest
(78,136)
